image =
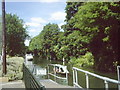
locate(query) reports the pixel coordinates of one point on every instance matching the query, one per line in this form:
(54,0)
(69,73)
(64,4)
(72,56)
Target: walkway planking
(48,83)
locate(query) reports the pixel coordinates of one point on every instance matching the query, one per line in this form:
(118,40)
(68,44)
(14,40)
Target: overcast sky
(38,14)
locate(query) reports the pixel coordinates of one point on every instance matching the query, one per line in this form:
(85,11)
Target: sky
(37,14)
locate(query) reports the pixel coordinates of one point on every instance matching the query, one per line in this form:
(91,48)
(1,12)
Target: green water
(94,82)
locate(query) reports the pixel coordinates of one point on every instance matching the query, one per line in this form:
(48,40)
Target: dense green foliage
(71,9)
(90,36)
(15,34)
(45,41)
(84,61)
(99,23)
(14,68)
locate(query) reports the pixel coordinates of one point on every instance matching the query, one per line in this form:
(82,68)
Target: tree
(99,23)
(71,9)
(16,35)
(50,34)
(91,27)
(45,41)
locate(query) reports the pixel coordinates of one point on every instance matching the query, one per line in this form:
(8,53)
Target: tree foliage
(16,35)
(99,23)
(71,9)
(91,32)
(44,42)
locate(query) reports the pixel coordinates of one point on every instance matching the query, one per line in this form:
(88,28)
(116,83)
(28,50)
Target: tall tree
(100,23)
(71,9)
(16,35)
(46,40)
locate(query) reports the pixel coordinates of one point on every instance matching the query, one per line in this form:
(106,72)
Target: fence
(105,79)
(30,80)
(54,74)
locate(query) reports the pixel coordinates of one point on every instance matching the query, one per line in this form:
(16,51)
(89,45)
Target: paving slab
(14,84)
(51,84)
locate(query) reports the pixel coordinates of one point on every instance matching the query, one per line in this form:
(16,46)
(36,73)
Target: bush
(14,68)
(84,61)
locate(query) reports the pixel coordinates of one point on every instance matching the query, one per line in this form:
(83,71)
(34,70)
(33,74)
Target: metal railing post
(106,85)
(73,78)
(76,75)
(119,86)
(118,72)
(87,73)
(54,74)
(87,80)
(67,77)
(48,71)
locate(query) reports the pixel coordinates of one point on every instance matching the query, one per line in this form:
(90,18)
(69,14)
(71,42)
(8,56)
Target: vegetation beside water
(86,60)
(90,36)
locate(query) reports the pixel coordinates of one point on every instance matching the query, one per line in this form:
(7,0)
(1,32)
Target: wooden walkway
(48,83)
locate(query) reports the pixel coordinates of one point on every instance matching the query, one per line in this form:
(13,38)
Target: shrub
(84,61)
(14,68)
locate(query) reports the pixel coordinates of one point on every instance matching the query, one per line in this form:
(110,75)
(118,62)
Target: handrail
(55,75)
(30,80)
(76,84)
(98,76)
(106,79)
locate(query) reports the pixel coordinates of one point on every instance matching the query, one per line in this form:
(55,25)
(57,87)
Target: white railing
(105,79)
(55,74)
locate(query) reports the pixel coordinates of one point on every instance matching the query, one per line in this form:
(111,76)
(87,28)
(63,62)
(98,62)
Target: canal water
(94,82)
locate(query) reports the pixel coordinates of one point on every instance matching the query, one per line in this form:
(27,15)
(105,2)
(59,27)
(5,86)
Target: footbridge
(42,81)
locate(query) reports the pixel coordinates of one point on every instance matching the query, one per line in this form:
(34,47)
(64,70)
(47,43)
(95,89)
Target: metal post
(34,70)
(63,61)
(67,77)
(76,75)
(118,71)
(87,80)
(106,85)
(3,38)
(73,78)
(119,86)
(48,72)
(54,74)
